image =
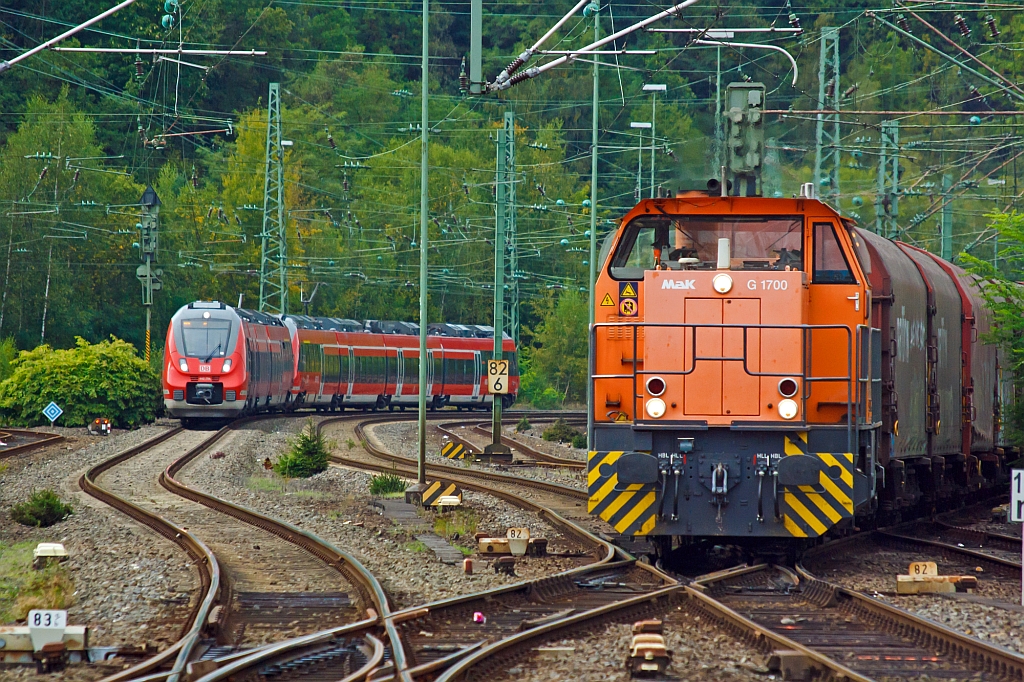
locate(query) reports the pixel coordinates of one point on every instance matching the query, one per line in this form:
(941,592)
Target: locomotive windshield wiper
(212,354)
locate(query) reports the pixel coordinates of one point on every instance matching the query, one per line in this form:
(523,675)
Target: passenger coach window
(830,266)
(690,242)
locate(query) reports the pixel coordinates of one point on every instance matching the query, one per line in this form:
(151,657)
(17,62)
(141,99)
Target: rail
(38,439)
(199,553)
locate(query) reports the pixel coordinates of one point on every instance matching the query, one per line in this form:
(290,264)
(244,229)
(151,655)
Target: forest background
(82,135)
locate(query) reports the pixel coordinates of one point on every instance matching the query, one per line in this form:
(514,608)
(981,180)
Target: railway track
(993,550)
(517,446)
(842,633)
(227,611)
(18,441)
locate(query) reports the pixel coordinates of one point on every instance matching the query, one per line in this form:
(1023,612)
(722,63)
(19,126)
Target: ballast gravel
(700,651)
(336,506)
(992,613)
(132,587)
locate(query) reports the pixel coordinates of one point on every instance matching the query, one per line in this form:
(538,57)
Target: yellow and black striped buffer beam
(631,510)
(438,489)
(455,450)
(810,510)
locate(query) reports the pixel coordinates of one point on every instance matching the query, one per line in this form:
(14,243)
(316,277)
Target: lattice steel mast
(274,249)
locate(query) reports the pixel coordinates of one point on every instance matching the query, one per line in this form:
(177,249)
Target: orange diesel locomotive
(761,368)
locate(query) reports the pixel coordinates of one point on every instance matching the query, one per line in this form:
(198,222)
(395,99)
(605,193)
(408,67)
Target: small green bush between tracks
(308,455)
(561,432)
(44,508)
(387,483)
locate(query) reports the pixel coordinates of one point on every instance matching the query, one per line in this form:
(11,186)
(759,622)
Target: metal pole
(595,104)
(421,468)
(503,178)
(70,32)
(718,111)
(947,218)
(476,32)
(149,314)
(654,125)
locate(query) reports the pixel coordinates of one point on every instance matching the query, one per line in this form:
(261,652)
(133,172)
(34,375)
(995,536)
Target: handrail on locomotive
(867,378)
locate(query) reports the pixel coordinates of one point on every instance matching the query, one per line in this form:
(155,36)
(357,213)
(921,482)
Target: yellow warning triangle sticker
(628,291)
(607,300)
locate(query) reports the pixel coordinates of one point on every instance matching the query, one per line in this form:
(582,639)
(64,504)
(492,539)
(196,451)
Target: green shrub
(579,440)
(387,484)
(106,379)
(523,425)
(563,433)
(42,509)
(308,455)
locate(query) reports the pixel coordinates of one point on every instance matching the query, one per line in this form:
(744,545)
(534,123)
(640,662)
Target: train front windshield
(205,338)
(691,243)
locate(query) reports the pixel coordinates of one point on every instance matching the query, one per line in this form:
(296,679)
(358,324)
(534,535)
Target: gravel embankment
(993,618)
(131,585)
(699,652)
(335,505)
(533,437)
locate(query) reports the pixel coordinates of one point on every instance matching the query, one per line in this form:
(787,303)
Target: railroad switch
(506,565)
(793,665)
(648,653)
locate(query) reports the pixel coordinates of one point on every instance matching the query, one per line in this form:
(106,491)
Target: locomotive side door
(837,295)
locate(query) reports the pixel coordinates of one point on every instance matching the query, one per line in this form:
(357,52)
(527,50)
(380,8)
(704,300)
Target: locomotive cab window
(830,264)
(206,338)
(692,242)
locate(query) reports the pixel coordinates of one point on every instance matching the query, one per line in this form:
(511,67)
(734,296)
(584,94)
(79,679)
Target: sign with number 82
(497,376)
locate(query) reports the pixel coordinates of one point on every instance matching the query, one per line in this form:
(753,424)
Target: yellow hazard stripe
(794,529)
(830,459)
(649,524)
(602,492)
(595,472)
(832,489)
(825,507)
(809,518)
(432,489)
(620,502)
(639,508)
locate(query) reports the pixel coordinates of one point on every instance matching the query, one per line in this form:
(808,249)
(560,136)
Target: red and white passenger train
(223,362)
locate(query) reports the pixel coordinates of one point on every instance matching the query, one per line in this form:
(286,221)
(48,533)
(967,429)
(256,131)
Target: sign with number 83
(497,376)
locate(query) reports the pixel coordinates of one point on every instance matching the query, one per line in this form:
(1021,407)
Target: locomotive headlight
(227,365)
(183,365)
(722,283)
(788,387)
(788,408)
(656,407)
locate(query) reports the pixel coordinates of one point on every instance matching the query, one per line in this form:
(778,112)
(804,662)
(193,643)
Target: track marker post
(1016,515)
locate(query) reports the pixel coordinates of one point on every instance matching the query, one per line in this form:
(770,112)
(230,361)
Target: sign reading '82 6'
(497,376)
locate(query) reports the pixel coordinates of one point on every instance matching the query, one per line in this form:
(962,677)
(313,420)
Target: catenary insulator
(993,29)
(961,24)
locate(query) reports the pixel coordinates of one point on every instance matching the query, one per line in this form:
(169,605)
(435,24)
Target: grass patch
(523,425)
(350,443)
(261,484)
(23,589)
(387,483)
(44,508)
(415,546)
(3,468)
(460,523)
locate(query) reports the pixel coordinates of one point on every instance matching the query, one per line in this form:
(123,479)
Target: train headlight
(788,387)
(656,407)
(788,408)
(183,365)
(722,283)
(227,365)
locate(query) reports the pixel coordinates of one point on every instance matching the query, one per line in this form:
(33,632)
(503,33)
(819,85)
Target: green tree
(558,359)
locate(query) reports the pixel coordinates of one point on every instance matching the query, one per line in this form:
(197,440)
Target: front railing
(860,364)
